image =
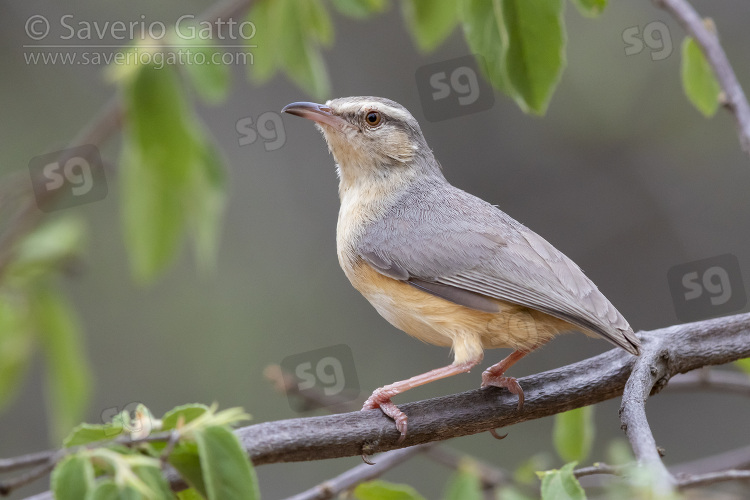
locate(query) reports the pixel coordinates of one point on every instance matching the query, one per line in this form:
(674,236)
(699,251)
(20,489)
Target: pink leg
(381,398)
(493,376)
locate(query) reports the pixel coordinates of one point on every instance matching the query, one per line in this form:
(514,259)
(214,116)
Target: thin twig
(711,380)
(696,480)
(735,100)
(360,474)
(599,468)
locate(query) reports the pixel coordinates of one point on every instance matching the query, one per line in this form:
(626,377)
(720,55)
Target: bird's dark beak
(319,113)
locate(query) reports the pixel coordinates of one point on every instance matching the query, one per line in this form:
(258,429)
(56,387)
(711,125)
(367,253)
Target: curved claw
(498,436)
(390,410)
(365,460)
(509,383)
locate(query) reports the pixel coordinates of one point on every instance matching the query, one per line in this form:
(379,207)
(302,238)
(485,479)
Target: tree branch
(591,381)
(735,99)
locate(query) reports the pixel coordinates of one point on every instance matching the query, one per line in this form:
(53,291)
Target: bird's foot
(510,383)
(381,398)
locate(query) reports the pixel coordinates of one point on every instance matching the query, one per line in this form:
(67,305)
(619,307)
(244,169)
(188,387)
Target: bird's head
(369,137)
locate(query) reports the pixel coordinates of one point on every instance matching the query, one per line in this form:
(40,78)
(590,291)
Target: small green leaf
(210,79)
(189,494)
(73,478)
(105,489)
(186,460)
(698,79)
(535,55)
(383,490)
(91,433)
(158,152)
(188,413)
(590,8)
(485,37)
(227,471)
(321,26)
(573,433)
(561,484)
(68,371)
(465,484)
(430,22)
(48,246)
(208,194)
(154,479)
(359,8)
(744,365)
(16,342)
(264,14)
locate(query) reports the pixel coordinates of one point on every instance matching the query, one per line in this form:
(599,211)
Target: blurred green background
(622,174)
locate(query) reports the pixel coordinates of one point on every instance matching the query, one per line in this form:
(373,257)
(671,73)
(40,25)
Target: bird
(440,264)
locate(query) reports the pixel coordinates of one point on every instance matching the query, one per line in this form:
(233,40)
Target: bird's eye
(373,118)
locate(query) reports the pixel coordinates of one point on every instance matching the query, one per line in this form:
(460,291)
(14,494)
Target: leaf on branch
(573,433)
(522,44)
(744,365)
(430,22)
(16,343)
(359,8)
(227,471)
(535,55)
(288,38)
(698,79)
(171,176)
(383,490)
(465,483)
(68,370)
(73,478)
(590,8)
(561,484)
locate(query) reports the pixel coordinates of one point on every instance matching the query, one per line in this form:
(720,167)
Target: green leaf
(189,494)
(561,484)
(16,342)
(698,79)
(154,479)
(383,490)
(159,150)
(465,484)
(73,478)
(359,8)
(208,194)
(48,246)
(300,57)
(317,16)
(188,413)
(68,371)
(430,22)
(264,14)
(535,55)
(744,365)
(590,8)
(227,471)
(211,80)
(573,433)
(485,38)
(105,489)
(186,460)
(91,433)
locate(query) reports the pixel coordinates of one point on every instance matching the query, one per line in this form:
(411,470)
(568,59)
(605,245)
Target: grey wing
(458,247)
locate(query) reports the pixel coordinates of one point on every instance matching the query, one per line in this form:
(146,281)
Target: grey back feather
(447,241)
